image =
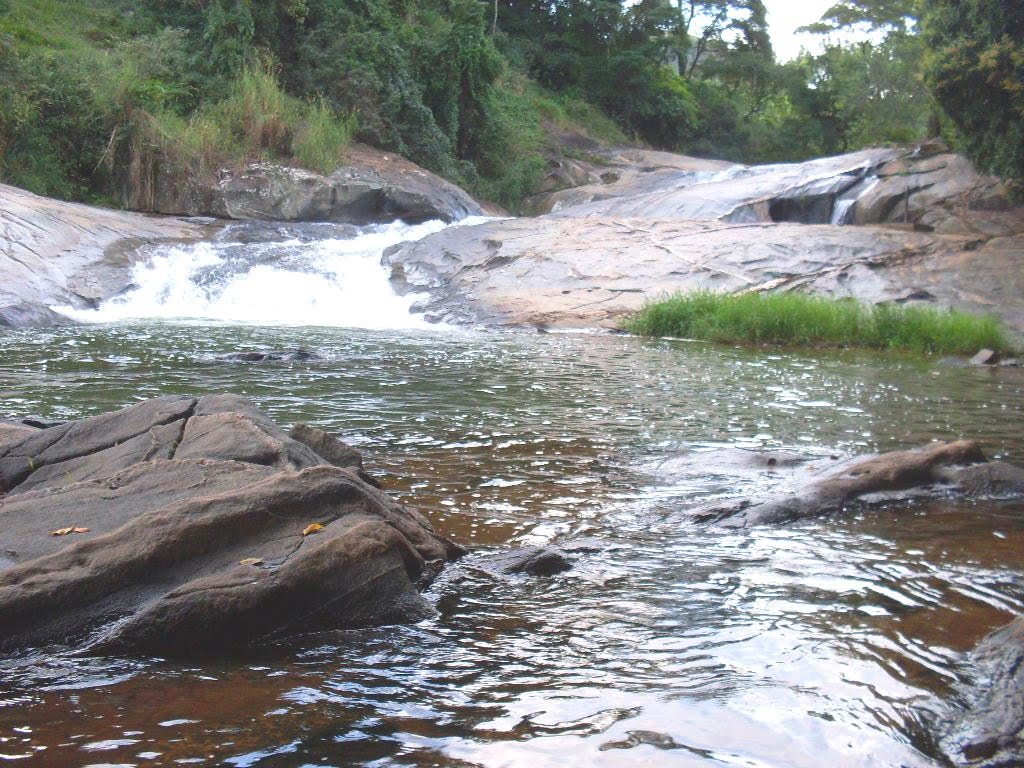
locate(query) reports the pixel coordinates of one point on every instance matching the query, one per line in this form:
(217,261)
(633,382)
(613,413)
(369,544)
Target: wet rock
(993,479)
(272,356)
(988,730)
(985,357)
(933,469)
(535,561)
(1010,362)
(57,253)
(196,524)
(641,738)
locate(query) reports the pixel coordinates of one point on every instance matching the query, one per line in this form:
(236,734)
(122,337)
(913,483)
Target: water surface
(827,642)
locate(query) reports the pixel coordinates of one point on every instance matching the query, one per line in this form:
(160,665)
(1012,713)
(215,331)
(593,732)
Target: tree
(975,68)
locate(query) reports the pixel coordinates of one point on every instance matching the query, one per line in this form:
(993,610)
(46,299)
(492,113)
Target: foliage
(976,71)
(801,320)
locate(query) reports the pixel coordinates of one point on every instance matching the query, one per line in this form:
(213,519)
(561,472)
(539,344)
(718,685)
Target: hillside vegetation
(98,96)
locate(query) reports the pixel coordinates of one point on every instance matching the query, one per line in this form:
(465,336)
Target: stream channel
(829,642)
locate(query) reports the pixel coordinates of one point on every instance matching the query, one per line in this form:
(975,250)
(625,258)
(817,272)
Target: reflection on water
(822,643)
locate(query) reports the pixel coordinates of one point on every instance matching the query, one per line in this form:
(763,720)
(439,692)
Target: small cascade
(842,208)
(306,274)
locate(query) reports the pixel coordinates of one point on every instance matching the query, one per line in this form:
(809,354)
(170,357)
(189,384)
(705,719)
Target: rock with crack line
(184,524)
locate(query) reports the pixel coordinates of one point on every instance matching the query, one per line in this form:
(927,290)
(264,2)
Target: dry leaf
(69,529)
(312,528)
(251,561)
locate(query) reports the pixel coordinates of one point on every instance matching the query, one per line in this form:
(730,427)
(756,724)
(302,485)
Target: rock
(985,357)
(14,432)
(562,271)
(988,730)
(193,520)
(57,253)
(993,479)
(273,356)
(834,488)
(373,186)
(535,561)
(604,249)
(1010,362)
(333,450)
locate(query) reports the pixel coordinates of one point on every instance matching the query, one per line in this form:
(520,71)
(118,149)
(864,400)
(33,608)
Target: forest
(94,92)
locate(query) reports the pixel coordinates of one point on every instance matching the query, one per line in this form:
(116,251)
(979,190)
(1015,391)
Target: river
(826,642)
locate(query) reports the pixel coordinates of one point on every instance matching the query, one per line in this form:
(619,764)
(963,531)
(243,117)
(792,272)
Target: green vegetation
(99,97)
(976,71)
(796,319)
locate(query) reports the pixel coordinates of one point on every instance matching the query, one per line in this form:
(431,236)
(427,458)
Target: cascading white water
(845,202)
(311,277)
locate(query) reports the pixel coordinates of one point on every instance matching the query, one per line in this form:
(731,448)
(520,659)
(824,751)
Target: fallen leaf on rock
(69,529)
(251,561)
(312,528)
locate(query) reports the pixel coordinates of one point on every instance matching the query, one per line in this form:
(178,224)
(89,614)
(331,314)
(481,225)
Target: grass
(796,319)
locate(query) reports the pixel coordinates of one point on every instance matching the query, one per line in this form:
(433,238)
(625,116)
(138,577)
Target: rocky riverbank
(183,524)
(879,225)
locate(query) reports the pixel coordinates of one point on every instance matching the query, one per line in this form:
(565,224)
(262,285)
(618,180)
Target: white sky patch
(786,16)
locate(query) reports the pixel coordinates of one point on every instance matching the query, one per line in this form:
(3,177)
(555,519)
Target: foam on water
(334,281)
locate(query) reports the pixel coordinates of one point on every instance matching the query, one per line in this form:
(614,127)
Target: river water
(823,643)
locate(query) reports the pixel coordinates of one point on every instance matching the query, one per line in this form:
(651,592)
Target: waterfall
(273,274)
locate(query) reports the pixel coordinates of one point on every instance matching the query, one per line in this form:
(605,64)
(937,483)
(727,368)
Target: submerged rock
(183,524)
(535,561)
(941,468)
(270,356)
(987,731)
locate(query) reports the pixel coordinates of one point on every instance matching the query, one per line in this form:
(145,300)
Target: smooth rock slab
(206,546)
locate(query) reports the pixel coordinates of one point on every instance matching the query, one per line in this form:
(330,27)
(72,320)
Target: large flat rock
(877,225)
(197,524)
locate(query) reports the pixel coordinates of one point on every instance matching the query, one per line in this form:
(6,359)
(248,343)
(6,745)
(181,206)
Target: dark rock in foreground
(988,731)
(183,524)
(956,467)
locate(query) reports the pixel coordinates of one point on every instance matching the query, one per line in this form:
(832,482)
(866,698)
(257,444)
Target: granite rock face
(184,524)
(878,225)
(57,253)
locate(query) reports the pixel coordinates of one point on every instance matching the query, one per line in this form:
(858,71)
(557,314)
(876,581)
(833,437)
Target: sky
(784,16)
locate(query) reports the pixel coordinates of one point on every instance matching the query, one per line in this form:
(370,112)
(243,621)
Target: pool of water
(827,642)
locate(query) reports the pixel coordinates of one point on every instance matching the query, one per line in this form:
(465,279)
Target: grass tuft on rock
(796,319)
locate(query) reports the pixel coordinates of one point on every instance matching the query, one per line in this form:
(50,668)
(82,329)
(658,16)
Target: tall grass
(796,319)
(257,120)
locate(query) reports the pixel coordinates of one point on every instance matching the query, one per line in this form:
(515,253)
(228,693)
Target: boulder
(987,729)
(373,186)
(57,253)
(534,561)
(183,524)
